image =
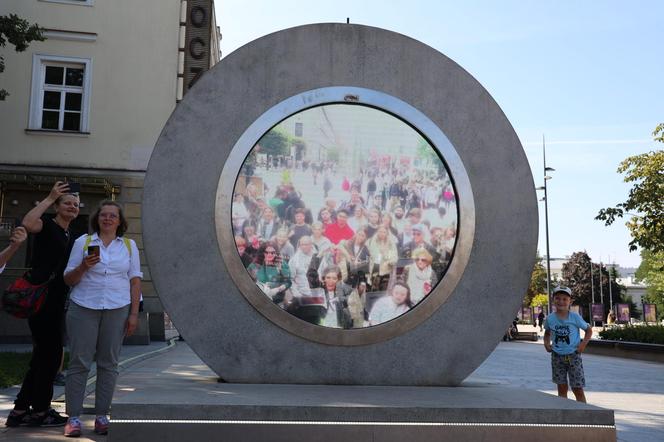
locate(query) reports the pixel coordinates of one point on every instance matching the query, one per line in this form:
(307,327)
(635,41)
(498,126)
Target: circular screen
(344,216)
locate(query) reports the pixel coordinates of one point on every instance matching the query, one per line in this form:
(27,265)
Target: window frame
(39,63)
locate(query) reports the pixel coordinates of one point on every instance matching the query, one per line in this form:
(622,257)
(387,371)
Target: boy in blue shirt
(567,346)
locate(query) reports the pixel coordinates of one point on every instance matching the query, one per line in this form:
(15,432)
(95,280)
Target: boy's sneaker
(16,420)
(73,427)
(49,419)
(101,425)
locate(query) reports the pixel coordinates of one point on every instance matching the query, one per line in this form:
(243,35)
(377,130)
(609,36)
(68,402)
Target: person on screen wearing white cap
(418,242)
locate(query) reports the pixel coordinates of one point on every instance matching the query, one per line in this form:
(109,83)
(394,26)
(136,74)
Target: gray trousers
(93,333)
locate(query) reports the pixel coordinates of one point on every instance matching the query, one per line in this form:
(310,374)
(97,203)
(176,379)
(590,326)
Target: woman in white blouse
(391,306)
(104,272)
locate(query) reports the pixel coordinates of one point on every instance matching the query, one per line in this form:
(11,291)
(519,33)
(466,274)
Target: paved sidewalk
(634,389)
(129,356)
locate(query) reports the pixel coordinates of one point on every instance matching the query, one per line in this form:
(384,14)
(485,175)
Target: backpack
(88,239)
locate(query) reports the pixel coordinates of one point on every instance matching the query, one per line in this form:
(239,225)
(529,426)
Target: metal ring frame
(412,117)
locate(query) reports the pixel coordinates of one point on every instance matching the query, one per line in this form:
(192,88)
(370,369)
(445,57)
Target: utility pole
(592,282)
(610,289)
(546,224)
(601,291)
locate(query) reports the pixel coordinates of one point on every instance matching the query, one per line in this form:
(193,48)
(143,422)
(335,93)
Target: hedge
(648,334)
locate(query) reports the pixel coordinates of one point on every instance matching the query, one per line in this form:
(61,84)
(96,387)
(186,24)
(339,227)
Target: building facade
(87,105)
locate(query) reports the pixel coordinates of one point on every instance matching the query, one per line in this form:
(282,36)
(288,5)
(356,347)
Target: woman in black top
(51,249)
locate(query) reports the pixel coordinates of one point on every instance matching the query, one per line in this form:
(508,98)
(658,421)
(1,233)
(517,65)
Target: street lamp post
(601,290)
(592,282)
(613,267)
(546,224)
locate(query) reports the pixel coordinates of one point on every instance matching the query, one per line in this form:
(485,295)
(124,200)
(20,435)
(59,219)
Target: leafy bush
(649,334)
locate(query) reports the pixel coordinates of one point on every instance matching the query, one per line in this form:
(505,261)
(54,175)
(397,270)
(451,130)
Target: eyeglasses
(421,260)
(270,252)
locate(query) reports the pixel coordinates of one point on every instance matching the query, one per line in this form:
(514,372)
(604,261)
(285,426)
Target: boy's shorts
(564,365)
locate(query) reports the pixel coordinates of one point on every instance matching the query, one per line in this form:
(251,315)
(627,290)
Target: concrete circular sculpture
(188,218)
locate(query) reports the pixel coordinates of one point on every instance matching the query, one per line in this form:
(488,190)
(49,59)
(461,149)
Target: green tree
(651,272)
(428,155)
(576,276)
(537,281)
(658,133)
(19,33)
(539,300)
(646,198)
(333,154)
(276,142)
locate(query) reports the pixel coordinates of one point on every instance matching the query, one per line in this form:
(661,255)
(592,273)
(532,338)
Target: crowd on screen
(352,262)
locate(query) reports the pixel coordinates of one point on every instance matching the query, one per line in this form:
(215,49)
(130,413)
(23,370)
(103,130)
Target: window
(60,94)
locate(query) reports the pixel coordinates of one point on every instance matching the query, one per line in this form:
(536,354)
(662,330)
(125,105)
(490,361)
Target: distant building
(556,265)
(88,104)
(635,289)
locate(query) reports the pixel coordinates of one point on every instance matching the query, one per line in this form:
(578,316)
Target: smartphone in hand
(74,187)
(93,250)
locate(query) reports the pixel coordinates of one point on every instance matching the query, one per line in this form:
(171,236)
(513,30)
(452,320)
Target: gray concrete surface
(634,389)
(197,142)
(630,350)
(357,432)
(130,355)
(199,396)
(205,409)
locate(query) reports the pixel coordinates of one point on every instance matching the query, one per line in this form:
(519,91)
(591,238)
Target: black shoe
(49,419)
(16,420)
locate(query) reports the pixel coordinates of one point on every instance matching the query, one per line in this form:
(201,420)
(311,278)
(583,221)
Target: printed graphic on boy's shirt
(562,334)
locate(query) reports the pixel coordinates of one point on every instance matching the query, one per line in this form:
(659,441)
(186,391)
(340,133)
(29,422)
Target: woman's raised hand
(59,188)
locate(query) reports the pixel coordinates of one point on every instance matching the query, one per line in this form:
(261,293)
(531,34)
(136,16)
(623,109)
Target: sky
(585,76)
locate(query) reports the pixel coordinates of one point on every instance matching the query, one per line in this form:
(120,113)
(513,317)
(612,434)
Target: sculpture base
(212,411)
(174,397)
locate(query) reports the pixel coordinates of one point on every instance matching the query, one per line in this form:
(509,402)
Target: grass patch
(15,365)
